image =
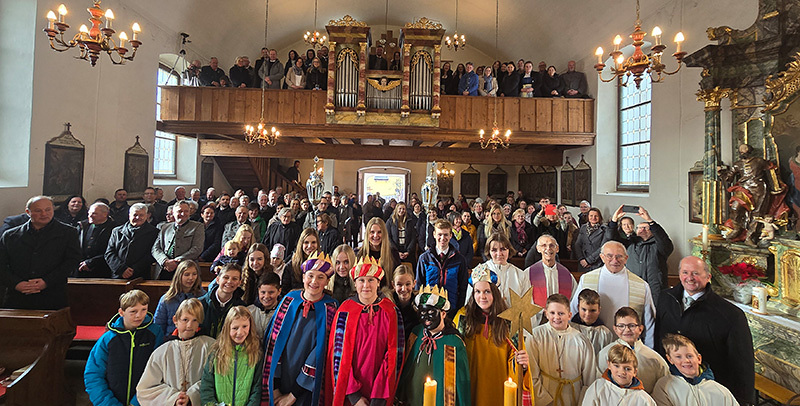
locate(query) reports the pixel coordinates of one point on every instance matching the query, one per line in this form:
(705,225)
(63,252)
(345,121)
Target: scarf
(487,83)
(522,237)
(590,229)
(297,71)
(457,233)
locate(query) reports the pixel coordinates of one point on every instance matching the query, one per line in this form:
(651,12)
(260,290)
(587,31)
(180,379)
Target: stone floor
(73,369)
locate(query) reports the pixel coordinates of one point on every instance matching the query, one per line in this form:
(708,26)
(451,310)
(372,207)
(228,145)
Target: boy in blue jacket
(119,357)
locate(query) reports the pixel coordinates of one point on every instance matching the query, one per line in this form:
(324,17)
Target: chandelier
(445,173)
(315,185)
(495,140)
(458,41)
(92,41)
(314,39)
(639,63)
(259,133)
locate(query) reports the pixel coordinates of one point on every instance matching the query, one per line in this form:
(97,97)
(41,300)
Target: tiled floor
(73,369)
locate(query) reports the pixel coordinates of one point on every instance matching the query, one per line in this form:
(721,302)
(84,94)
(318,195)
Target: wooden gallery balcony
(542,128)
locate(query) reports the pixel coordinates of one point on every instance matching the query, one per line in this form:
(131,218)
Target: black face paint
(430,316)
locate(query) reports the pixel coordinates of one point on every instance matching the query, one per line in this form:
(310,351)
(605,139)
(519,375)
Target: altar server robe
(173,364)
(568,351)
(652,365)
(675,391)
(604,392)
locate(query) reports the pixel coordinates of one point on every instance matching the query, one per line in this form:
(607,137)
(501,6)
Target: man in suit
(159,210)
(177,241)
(95,233)
(232,227)
(378,61)
(128,254)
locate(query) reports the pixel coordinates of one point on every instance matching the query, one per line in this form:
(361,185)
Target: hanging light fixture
(315,185)
(458,41)
(639,63)
(314,39)
(383,41)
(92,41)
(445,173)
(261,133)
(495,140)
(429,191)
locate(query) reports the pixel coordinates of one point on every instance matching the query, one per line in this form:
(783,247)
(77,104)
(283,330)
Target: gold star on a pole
(520,312)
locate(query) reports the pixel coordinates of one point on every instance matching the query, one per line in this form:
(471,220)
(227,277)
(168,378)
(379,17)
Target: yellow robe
(490,365)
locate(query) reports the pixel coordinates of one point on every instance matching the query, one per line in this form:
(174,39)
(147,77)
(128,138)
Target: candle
(657,34)
(62,11)
(705,237)
(109,18)
(509,393)
(678,39)
(430,393)
(51,18)
(599,53)
(122,38)
(136,30)
(617,41)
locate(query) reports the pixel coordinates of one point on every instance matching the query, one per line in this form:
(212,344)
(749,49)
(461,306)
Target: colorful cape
(539,282)
(447,364)
(276,340)
(342,343)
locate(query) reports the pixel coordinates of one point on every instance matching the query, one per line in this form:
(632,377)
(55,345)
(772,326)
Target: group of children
(377,346)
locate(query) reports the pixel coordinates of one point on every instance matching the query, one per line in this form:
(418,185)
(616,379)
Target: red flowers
(743,270)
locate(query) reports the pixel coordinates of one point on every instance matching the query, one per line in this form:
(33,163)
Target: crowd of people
(309,71)
(308,306)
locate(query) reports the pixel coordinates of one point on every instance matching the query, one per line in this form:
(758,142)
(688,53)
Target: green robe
(447,365)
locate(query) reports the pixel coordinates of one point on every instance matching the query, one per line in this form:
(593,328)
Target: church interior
(739,76)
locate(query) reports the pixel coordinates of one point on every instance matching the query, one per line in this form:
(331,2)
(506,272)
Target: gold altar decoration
(425,23)
(782,86)
(347,21)
(711,97)
(391,84)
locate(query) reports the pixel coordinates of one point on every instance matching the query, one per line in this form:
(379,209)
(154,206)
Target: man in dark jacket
(118,209)
(718,328)
(13,221)
(210,75)
(94,235)
(647,255)
(284,231)
(329,237)
(37,257)
(128,253)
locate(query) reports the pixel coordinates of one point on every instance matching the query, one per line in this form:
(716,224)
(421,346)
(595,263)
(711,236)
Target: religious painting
(206,174)
(544,182)
(568,184)
(470,182)
(786,133)
(696,195)
(445,186)
(137,164)
(498,179)
(63,166)
(583,181)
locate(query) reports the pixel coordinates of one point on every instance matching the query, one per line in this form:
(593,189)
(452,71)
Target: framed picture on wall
(63,166)
(696,196)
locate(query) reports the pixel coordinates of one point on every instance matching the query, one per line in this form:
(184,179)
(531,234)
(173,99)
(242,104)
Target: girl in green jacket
(229,377)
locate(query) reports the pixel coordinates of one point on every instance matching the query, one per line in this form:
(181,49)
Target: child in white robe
(619,384)
(691,382)
(628,327)
(588,322)
(563,362)
(173,372)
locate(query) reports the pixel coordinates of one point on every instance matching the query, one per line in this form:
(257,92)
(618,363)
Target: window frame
(620,88)
(158,133)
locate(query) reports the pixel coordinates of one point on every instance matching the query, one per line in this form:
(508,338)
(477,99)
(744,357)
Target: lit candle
(678,39)
(657,34)
(509,393)
(51,18)
(599,53)
(62,11)
(122,38)
(705,237)
(136,29)
(617,41)
(109,17)
(84,29)
(429,399)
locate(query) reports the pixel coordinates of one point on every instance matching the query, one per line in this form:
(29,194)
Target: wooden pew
(94,300)
(34,343)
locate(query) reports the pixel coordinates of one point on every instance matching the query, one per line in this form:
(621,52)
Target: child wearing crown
(436,351)
(296,339)
(365,349)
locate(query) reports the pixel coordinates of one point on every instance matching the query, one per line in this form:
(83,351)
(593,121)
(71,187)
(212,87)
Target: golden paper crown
(433,296)
(367,266)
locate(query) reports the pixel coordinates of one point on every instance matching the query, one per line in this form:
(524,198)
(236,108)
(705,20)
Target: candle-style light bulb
(678,39)
(599,53)
(136,30)
(109,18)
(62,11)
(122,38)
(617,41)
(620,60)
(51,16)
(83,29)
(657,34)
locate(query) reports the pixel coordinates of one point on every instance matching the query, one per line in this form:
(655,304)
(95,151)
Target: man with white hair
(548,276)
(128,254)
(618,287)
(94,235)
(583,216)
(177,241)
(180,194)
(36,258)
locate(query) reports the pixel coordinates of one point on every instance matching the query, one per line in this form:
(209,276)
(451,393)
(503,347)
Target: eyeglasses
(626,326)
(618,257)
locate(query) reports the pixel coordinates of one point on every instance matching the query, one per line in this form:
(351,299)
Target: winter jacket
(451,274)
(130,247)
(720,332)
(648,259)
(588,246)
(285,234)
(118,360)
(214,313)
(162,381)
(677,390)
(329,240)
(167,308)
(51,253)
(240,386)
(212,243)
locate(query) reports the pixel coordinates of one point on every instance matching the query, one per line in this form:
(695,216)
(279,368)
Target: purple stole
(539,282)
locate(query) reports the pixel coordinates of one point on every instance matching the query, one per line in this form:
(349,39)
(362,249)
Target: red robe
(365,352)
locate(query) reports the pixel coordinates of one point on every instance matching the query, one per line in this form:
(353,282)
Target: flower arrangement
(743,270)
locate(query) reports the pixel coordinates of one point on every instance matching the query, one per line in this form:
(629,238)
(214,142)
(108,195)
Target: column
(436,111)
(405,111)
(361,107)
(713,189)
(330,106)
